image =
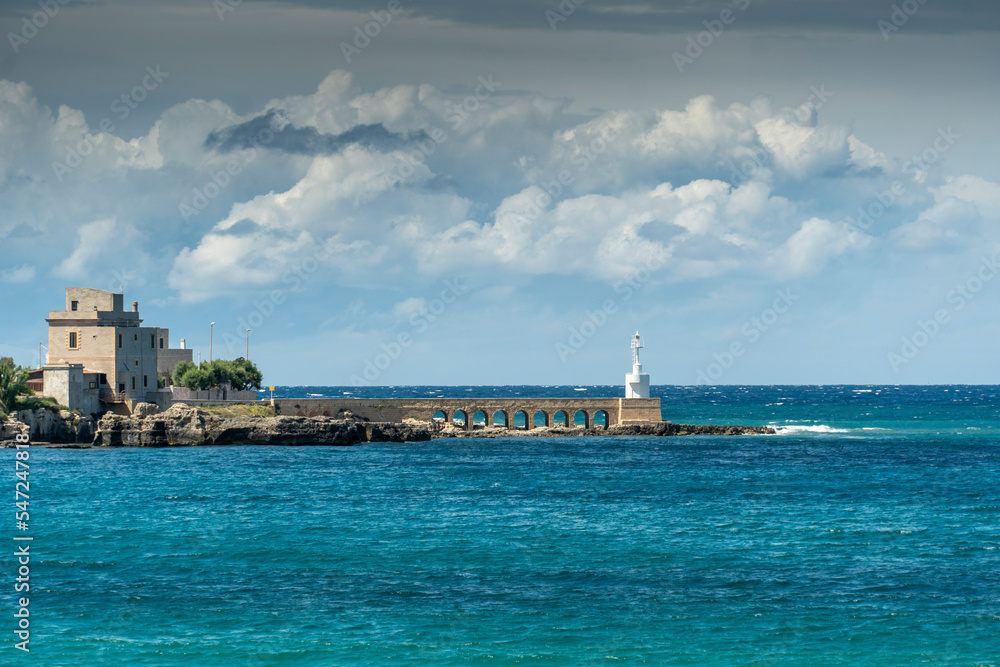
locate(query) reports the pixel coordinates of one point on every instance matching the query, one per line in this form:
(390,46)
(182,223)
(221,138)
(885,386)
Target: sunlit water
(866,532)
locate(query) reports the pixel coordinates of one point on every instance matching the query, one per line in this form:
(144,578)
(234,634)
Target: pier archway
(601,419)
(520,420)
(500,418)
(440,416)
(479,417)
(561,418)
(460,417)
(581,418)
(543,417)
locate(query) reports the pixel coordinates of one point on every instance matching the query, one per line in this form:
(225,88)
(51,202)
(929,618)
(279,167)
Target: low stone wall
(223,394)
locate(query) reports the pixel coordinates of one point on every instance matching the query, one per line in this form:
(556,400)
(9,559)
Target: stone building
(101,355)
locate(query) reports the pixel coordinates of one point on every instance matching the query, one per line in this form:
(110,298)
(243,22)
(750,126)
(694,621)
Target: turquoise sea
(865,532)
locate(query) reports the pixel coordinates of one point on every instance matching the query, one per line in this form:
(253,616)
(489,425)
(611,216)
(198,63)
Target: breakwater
(183,426)
(487,412)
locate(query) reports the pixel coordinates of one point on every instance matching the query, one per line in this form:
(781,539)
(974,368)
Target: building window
(120,341)
(161,343)
(73,305)
(135,337)
(73,340)
(136,365)
(133,383)
(145,381)
(152,341)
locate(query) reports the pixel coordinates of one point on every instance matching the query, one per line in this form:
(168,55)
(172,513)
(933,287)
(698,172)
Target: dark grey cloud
(22,8)
(674,16)
(270,131)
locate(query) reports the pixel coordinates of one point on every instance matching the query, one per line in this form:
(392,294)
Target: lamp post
(211,336)
(248,343)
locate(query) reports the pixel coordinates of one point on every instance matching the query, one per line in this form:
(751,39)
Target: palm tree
(13,383)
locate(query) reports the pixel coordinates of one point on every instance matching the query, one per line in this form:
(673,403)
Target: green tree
(245,375)
(240,374)
(13,383)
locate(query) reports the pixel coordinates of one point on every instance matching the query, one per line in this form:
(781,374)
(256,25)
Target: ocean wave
(801,428)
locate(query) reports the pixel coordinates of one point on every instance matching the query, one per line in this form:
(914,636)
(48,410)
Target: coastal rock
(183,426)
(48,425)
(669,428)
(145,409)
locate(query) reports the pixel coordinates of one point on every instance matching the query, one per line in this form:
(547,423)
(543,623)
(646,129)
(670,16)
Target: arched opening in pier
(479,418)
(460,417)
(500,419)
(601,419)
(581,418)
(560,419)
(521,419)
(541,418)
(440,416)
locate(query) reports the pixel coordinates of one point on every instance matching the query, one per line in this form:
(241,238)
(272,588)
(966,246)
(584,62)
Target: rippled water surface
(866,532)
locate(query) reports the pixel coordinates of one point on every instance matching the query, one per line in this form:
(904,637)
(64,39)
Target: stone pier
(469,412)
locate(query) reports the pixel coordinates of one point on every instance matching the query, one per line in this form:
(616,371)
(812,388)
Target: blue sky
(444,192)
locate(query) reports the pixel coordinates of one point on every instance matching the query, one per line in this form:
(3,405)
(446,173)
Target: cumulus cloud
(99,246)
(964,208)
(405,183)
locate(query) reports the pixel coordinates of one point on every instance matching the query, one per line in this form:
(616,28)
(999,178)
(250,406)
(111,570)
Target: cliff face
(45,425)
(183,426)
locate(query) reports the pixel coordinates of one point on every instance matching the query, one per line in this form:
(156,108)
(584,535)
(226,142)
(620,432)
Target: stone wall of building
(168,359)
(70,387)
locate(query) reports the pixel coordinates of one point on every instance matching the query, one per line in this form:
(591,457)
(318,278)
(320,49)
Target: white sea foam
(802,428)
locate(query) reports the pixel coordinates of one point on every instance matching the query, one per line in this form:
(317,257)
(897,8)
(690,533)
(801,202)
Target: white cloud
(965,209)
(101,245)
(518,188)
(817,241)
(21,274)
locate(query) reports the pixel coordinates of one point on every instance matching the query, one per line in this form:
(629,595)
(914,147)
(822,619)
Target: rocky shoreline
(184,426)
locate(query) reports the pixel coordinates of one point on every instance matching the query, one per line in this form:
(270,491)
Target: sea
(864,532)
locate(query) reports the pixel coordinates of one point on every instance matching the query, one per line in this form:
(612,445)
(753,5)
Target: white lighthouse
(636,382)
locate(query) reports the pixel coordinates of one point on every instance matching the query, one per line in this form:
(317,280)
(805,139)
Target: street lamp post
(248,343)
(211,336)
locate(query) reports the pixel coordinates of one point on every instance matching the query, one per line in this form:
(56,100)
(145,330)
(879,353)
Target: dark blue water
(866,532)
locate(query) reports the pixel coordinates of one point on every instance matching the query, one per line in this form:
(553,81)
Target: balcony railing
(108,396)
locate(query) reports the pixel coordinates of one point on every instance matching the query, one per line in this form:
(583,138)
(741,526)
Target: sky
(436,192)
